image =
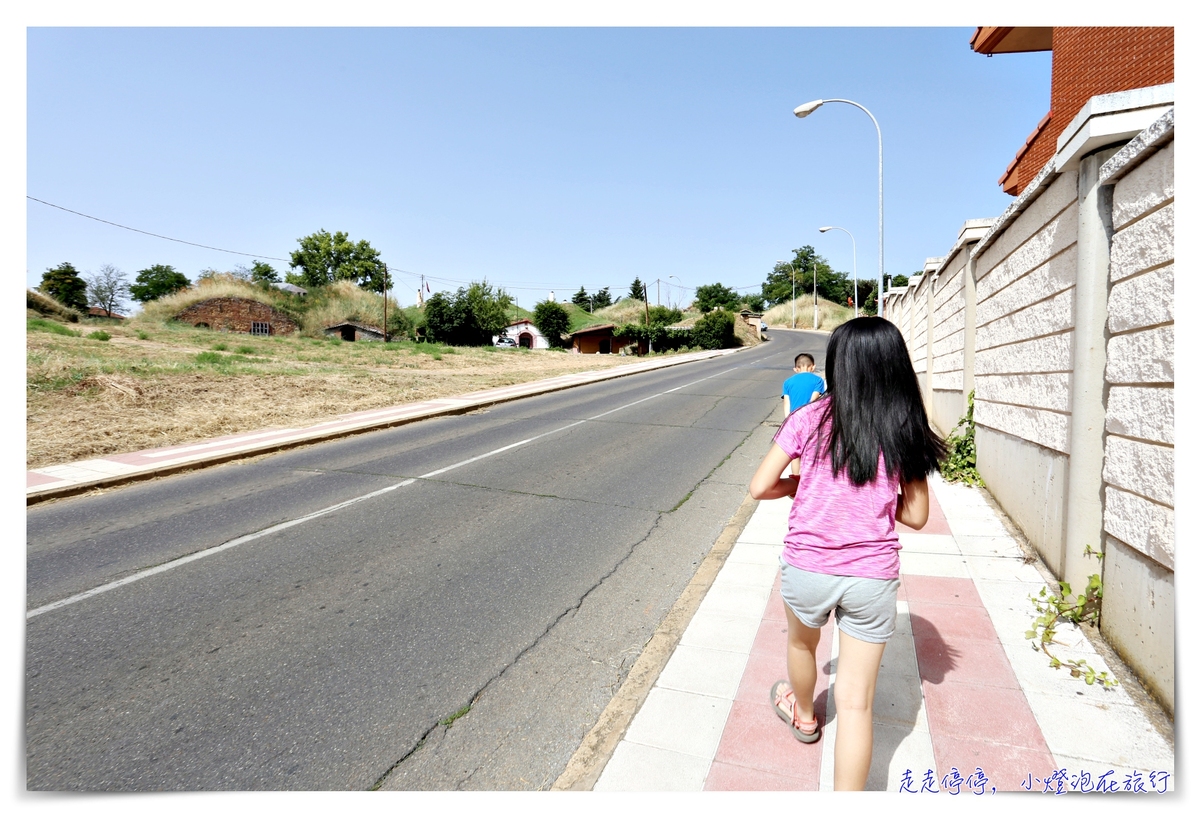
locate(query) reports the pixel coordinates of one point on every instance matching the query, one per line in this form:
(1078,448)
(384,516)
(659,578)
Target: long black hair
(874,404)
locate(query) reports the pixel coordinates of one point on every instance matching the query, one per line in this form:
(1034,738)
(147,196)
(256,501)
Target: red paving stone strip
(978,715)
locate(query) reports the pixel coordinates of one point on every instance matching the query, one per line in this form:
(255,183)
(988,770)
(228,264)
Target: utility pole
(385,291)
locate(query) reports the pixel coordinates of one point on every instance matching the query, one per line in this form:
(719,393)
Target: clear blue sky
(539,158)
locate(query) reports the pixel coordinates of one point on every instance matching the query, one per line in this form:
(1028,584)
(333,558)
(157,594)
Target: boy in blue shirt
(801,389)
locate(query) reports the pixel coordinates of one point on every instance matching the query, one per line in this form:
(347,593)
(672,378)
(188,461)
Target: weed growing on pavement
(959,465)
(451,719)
(1083,608)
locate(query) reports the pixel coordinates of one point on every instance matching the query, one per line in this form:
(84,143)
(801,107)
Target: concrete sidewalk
(964,704)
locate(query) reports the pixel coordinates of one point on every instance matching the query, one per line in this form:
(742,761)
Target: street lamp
(793,269)
(676,277)
(807,108)
(853,250)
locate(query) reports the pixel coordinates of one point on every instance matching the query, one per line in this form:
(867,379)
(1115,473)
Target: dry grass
(157,384)
(831,315)
(44,304)
(627,310)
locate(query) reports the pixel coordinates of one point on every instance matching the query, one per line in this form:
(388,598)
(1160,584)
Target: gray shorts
(866,608)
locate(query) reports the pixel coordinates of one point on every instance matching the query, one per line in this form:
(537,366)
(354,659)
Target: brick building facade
(237,315)
(1086,61)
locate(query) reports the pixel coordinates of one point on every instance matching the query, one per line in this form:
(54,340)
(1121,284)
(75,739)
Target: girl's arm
(912,508)
(766,482)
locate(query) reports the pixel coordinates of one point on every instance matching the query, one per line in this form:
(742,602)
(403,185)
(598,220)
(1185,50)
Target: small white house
(525,334)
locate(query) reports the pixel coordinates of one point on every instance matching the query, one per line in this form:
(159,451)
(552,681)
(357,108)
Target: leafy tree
(756,302)
(834,286)
(324,258)
(664,316)
(897,281)
(263,274)
(63,284)
(108,289)
(470,317)
(715,330)
(602,298)
(156,281)
(637,290)
(716,296)
(552,320)
(582,300)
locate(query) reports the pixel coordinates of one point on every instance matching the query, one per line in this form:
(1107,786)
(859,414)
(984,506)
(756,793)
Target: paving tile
(935,524)
(757,738)
(731,777)
(762,671)
(898,701)
(940,589)
(978,527)
(950,622)
(1032,667)
(1100,732)
(1005,767)
(735,599)
(966,661)
(680,721)
(992,713)
(928,543)
(899,657)
(771,638)
(758,576)
(706,672)
(895,750)
(775,610)
(721,631)
(903,619)
(990,546)
(1003,568)
(634,767)
(933,564)
(750,553)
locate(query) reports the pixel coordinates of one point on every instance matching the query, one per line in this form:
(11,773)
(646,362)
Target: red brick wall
(236,315)
(1088,61)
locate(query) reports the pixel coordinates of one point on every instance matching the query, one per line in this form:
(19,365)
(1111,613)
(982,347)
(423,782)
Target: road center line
(250,537)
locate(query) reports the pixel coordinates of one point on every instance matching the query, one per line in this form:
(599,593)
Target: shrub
(100,334)
(220,347)
(470,317)
(142,335)
(714,330)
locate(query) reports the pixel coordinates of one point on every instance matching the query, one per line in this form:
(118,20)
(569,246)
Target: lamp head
(824,229)
(808,107)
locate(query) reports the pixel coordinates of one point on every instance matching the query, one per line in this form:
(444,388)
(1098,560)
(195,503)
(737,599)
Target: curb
(588,762)
(47,492)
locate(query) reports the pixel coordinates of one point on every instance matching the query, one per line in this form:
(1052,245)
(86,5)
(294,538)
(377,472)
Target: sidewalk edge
(74,489)
(588,762)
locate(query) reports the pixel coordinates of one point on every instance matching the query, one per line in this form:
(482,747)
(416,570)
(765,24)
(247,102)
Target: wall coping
(1160,132)
(1103,120)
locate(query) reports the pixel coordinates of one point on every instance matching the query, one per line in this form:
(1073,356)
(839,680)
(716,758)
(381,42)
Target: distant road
(367,591)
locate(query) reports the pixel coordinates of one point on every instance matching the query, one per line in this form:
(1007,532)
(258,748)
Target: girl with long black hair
(865,449)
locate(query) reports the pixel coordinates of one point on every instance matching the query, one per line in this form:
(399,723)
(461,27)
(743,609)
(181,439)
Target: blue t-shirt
(799,389)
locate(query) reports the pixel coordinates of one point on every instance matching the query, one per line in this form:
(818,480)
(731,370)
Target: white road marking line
(250,537)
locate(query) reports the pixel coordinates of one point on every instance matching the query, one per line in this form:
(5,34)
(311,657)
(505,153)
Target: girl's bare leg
(802,663)
(854,696)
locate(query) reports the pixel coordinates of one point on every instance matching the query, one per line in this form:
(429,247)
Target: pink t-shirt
(836,527)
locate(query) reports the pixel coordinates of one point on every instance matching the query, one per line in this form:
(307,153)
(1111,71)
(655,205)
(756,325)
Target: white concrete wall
(949,321)
(1139,461)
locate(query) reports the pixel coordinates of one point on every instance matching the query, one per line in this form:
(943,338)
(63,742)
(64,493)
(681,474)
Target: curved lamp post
(807,108)
(676,277)
(854,251)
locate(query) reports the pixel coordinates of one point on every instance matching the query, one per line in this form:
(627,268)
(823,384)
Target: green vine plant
(1083,608)
(959,465)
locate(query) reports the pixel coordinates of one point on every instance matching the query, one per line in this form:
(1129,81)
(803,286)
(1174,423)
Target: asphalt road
(444,605)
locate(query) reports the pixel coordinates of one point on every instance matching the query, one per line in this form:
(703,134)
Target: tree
(664,316)
(324,258)
(108,289)
(756,302)
(833,286)
(716,296)
(156,281)
(637,290)
(582,300)
(470,317)
(63,284)
(898,281)
(263,274)
(602,299)
(553,321)
(715,330)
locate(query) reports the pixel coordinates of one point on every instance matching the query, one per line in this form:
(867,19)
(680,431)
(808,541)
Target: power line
(156,235)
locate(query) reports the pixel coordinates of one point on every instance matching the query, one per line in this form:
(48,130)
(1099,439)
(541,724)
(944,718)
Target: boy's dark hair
(804,357)
(874,404)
